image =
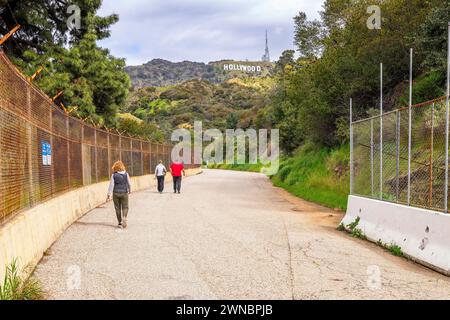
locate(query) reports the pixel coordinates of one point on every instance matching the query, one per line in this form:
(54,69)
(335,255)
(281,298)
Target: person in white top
(160,173)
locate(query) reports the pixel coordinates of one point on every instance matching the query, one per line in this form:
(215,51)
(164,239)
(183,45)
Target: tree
(307,36)
(432,39)
(286,59)
(232,120)
(44,23)
(90,78)
(339,59)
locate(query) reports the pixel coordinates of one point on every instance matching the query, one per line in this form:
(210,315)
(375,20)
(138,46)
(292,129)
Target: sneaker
(124,223)
(120,226)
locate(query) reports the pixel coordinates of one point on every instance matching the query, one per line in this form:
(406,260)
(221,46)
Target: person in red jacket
(177,169)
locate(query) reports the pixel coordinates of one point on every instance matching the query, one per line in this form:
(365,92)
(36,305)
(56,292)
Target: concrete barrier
(29,234)
(423,235)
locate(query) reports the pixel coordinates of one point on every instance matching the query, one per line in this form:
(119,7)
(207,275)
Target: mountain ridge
(160,72)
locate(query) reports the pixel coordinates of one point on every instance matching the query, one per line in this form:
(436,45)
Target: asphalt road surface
(228,235)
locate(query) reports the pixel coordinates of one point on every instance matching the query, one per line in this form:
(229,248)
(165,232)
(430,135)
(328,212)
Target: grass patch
(355,232)
(237,167)
(16,288)
(317,175)
(395,250)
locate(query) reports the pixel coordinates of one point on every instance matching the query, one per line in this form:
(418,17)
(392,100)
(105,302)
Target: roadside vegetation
(14,287)
(316,174)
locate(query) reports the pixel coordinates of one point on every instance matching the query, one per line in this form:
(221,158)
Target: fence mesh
(390,155)
(45,152)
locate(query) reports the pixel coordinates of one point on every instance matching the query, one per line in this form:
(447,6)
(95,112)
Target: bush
(16,288)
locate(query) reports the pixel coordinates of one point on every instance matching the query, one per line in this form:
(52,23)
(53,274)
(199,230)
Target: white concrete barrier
(29,234)
(423,235)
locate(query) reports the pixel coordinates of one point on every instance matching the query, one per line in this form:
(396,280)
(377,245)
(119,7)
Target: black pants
(176,184)
(160,183)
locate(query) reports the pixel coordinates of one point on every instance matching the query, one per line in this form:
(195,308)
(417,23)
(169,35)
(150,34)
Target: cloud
(202,30)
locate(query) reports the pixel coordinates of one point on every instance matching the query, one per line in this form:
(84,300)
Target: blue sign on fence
(46,153)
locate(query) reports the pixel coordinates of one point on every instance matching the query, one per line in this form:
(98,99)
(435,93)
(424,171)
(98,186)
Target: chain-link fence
(44,152)
(413,176)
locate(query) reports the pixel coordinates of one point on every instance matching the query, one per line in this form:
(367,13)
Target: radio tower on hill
(266,56)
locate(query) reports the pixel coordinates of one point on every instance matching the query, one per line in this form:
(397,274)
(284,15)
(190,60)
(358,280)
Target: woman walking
(119,189)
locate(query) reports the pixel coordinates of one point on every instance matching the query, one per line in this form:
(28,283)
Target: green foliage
(286,60)
(16,288)
(44,22)
(392,248)
(162,73)
(308,36)
(431,39)
(339,59)
(311,174)
(90,78)
(426,87)
(237,167)
(228,105)
(395,250)
(135,126)
(358,233)
(355,232)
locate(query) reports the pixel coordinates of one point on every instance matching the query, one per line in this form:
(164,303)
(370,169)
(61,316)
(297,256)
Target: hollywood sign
(241,67)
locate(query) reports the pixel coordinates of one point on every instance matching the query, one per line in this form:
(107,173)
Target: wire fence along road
(390,156)
(44,152)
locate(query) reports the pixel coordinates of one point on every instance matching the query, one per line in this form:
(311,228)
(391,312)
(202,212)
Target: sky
(202,30)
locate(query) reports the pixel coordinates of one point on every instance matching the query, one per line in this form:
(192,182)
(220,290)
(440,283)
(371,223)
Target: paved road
(229,235)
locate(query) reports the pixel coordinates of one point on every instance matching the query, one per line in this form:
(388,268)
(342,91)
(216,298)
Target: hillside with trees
(230,104)
(161,73)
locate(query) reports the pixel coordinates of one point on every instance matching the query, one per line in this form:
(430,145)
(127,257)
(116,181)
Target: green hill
(230,104)
(159,72)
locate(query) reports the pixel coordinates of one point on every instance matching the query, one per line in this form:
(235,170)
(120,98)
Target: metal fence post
(83,165)
(446,122)
(381,131)
(30,151)
(131,157)
(120,147)
(410,125)
(372,179)
(52,144)
(96,155)
(108,140)
(351,147)
(68,151)
(430,195)
(142,158)
(397,153)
